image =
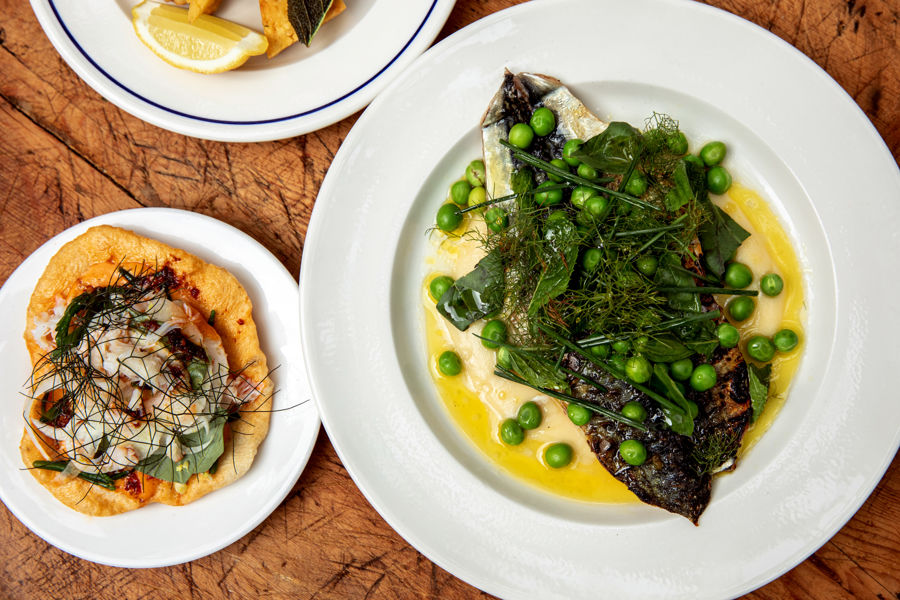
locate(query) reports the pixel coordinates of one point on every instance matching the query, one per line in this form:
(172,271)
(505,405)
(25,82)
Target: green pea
(529,415)
(521,135)
(634,411)
(637,184)
(677,143)
(511,433)
(558,455)
(601,351)
(493,334)
(718,180)
(548,197)
(542,121)
(728,335)
(618,362)
(621,346)
(703,377)
(638,369)
(557,215)
(569,148)
(633,452)
(785,340)
(596,206)
(475,173)
(477,196)
(459,192)
(496,219)
(741,308)
(438,286)
(738,275)
(771,284)
(585,221)
(504,357)
(681,369)
(578,414)
(640,344)
(647,265)
(449,363)
(591,259)
(761,348)
(587,171)
(448,217)
(713,153)
(559,164)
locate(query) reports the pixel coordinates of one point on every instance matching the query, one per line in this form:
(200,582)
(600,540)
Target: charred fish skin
(674,476)
(519,95)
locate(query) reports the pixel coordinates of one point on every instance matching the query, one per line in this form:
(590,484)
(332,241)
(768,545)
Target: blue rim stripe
(224,122)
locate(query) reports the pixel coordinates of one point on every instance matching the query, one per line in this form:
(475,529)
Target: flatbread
(208,288)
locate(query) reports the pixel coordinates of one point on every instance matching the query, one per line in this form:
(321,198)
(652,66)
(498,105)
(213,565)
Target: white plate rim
(279,488)
(90,69)
(340,428)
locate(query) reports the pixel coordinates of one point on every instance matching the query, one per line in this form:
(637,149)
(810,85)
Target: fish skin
(519,95)
(669,478)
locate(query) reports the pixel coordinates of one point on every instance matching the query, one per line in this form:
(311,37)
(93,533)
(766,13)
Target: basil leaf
(159,465)
(759,388)
(560,253)
(475,294)
(682,193)
(306,17)
(613,150)
(720,238)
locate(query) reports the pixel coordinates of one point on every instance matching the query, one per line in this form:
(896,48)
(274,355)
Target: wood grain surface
(66,155)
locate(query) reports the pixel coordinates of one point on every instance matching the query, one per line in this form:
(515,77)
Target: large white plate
(159,535)
(302,89)
(793,134)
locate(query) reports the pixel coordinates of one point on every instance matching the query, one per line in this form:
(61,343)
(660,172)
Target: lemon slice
(208,45)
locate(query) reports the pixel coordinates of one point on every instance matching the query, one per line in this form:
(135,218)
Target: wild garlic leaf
(612,151)
(159,465)
(560,254)
(476,294)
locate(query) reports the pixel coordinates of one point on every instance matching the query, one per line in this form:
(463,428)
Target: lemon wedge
(208,45)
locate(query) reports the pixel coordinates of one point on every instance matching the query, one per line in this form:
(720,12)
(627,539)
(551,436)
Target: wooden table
(66,155)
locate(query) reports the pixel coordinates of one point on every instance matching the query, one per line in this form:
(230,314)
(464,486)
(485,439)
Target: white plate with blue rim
(158,535)
(302,89)
(363,268)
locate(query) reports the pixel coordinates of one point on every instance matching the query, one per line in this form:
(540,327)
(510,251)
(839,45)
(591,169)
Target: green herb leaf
(670,274)
(306,17)
(159,465)
(720,238)
(197,371)
(77,316)
(682,193)
(612,151)
(212,317)
(537,371)
(759,388)
(522,181)
(665,348)
(101,479)
(560,253)
(679,421)
(52,413)
(475,294)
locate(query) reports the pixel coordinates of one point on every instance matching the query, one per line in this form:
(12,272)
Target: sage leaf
(306,17)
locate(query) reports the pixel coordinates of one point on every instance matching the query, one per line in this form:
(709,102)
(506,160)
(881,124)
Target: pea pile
(629,226)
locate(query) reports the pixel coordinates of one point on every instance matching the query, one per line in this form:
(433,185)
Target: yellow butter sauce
(478,401)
